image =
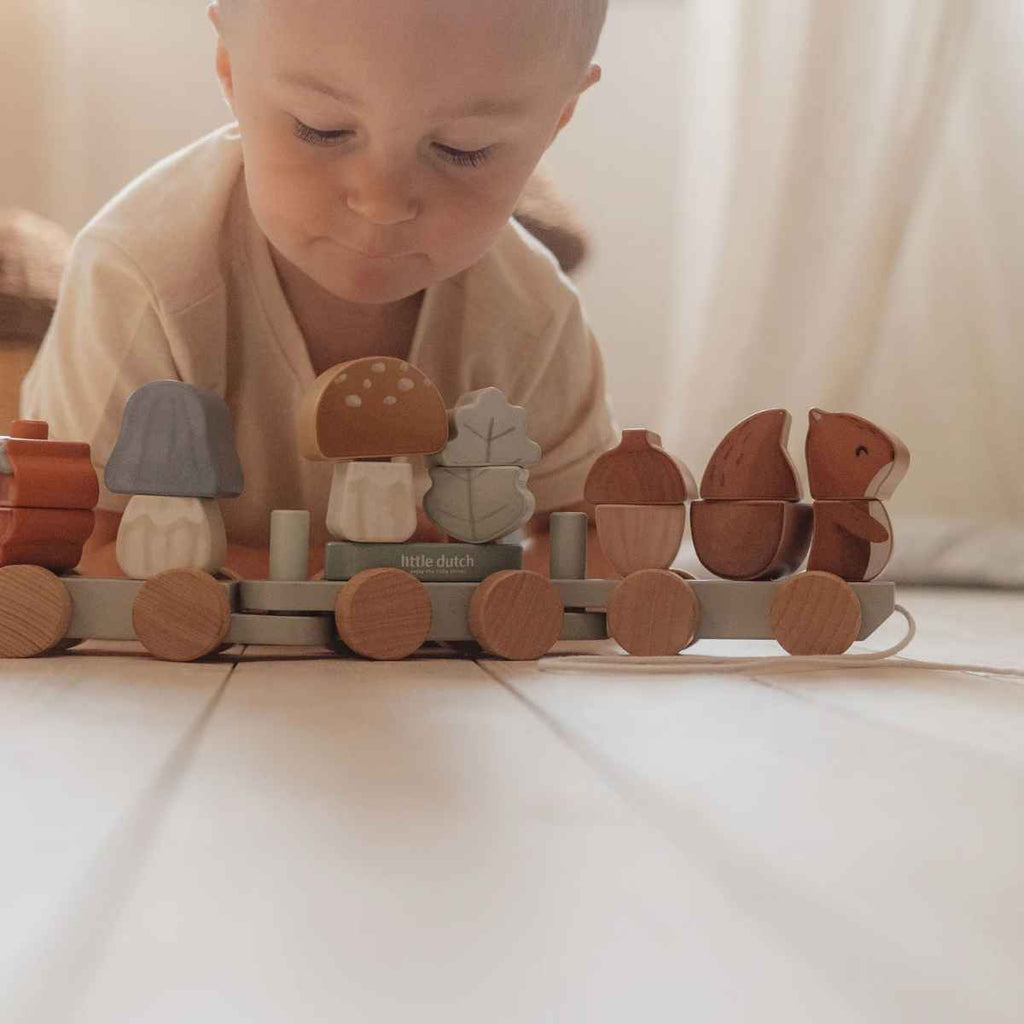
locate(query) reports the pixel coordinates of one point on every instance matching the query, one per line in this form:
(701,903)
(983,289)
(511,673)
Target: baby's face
(365,165)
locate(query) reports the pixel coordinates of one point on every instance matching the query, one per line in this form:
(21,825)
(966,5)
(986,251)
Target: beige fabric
(173,279)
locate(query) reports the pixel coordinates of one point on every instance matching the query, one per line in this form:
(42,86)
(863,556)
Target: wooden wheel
(815,613)
(653,612)
(181,615)
(383,614)
(516,614)
(35,611)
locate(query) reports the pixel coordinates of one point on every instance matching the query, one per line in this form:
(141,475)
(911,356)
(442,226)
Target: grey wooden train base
(429,563)
(302,613)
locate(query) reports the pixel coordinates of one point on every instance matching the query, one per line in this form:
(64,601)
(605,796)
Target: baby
(360,204)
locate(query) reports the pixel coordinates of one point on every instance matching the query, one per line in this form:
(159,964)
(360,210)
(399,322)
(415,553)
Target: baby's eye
(459,157)
(464,157)
(860,449)
(316,137)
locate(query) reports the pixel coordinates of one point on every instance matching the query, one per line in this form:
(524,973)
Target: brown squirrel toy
(751,524)
(852,466)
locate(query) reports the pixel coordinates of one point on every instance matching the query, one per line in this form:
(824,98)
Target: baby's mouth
(382,256)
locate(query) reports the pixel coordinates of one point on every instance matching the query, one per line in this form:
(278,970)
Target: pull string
(685,664)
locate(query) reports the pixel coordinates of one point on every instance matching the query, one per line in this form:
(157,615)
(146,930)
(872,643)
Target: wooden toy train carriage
(384,598)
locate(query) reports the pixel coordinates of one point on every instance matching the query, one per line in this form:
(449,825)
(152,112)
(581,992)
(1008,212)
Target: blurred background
(788,203)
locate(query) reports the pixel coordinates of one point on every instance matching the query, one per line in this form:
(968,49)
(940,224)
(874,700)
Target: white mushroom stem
(372,502)
(158,533)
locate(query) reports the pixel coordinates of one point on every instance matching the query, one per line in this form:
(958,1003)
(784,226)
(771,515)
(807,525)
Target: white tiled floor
(314,839)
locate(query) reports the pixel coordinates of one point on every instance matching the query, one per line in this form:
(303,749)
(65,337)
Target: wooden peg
(652,613)
(516,615)
(639,472)
(567,558)
(372,408)
(35,611)
(751,540)
(635,537)
(384,614)
(752,462)
(815,613)
(289,544)
(850,457)
(181,615)
(852,539)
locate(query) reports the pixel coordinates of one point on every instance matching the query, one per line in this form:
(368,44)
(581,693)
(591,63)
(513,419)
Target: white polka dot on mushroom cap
(342,377)
(390,400)
(353,401)
(378,368)
(405,384)
(367,384)
(403,367)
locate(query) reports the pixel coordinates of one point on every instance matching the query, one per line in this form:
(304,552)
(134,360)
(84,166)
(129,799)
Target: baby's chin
(355,278)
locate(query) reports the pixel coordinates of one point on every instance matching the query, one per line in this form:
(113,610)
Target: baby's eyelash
(315,137)
(464,157)
(459,157)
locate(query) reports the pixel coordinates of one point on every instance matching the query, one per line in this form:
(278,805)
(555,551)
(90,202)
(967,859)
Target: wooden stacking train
(383,596)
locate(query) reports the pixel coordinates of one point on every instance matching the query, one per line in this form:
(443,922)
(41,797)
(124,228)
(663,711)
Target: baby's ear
(224,75)
(592,77)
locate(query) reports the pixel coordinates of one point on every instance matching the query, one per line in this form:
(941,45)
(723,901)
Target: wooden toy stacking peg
(176,454)
(751,524)
(371,409)
(478,487)
(853,466)
(289,544)
(568,545)
(640,492)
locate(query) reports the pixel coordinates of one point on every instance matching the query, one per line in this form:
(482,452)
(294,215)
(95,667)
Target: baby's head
(403,130)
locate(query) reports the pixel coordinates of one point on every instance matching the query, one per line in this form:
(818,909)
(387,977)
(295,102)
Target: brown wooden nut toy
(852,465)
(751,524)
(640,492)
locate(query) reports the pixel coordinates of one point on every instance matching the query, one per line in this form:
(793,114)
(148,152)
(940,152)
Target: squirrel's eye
(860,448)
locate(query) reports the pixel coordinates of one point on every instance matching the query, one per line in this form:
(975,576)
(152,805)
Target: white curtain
(850,223)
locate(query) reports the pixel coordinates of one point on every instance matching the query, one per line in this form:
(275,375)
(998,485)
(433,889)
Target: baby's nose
(380,195)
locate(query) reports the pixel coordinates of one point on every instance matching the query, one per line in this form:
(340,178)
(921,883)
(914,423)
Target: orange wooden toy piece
(852,465)
(373,408)
(640,492)
(751,524)
(47,492)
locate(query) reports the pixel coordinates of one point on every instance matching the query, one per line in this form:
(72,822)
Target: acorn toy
(751,524)
(853,466)
(640,492)
(361,415)
(176,455)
